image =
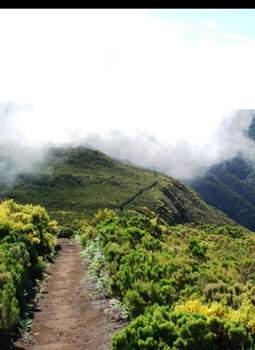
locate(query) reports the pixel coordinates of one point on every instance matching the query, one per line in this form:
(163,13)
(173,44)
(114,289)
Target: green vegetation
(74,181)
(180,271)
(183,287)
(27,241)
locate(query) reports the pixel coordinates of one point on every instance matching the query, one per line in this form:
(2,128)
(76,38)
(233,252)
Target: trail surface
(66,318)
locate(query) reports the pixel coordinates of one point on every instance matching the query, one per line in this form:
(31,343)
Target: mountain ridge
(75,181)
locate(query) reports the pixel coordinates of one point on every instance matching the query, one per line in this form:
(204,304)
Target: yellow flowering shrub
(244,315)
(27,241)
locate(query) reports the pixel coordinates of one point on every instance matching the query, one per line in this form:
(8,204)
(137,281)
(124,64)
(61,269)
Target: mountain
(73,181)
(230,187)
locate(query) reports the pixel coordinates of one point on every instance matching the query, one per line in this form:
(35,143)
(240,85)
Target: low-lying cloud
(183,160)
(138,87)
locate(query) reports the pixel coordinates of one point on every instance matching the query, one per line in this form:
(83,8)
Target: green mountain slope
(230,187)
(73,181)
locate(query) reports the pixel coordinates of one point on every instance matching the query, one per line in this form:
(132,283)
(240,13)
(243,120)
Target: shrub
(27,240)
(184,287)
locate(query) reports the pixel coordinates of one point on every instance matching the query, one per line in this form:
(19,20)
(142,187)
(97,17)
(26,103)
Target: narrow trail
(66,318)
(139,193)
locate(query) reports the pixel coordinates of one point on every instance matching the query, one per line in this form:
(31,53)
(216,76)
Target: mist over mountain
(184,160)
(74,175)
(230,185)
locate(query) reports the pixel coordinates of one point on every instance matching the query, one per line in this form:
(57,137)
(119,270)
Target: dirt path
(66,318)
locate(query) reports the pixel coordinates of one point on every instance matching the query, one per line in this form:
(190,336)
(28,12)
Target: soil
(68,316)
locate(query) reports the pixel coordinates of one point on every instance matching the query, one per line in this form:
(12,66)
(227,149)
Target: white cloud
(95,71)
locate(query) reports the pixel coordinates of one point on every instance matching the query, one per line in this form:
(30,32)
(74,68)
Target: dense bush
(161,328)
(27,240)
(183,287)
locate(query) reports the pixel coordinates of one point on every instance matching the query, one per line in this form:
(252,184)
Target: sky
(159,80)
(232,21)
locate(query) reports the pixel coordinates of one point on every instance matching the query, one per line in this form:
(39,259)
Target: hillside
(230,187)
(73,181)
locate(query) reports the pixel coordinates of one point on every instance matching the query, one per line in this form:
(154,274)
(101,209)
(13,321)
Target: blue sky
(235,21)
